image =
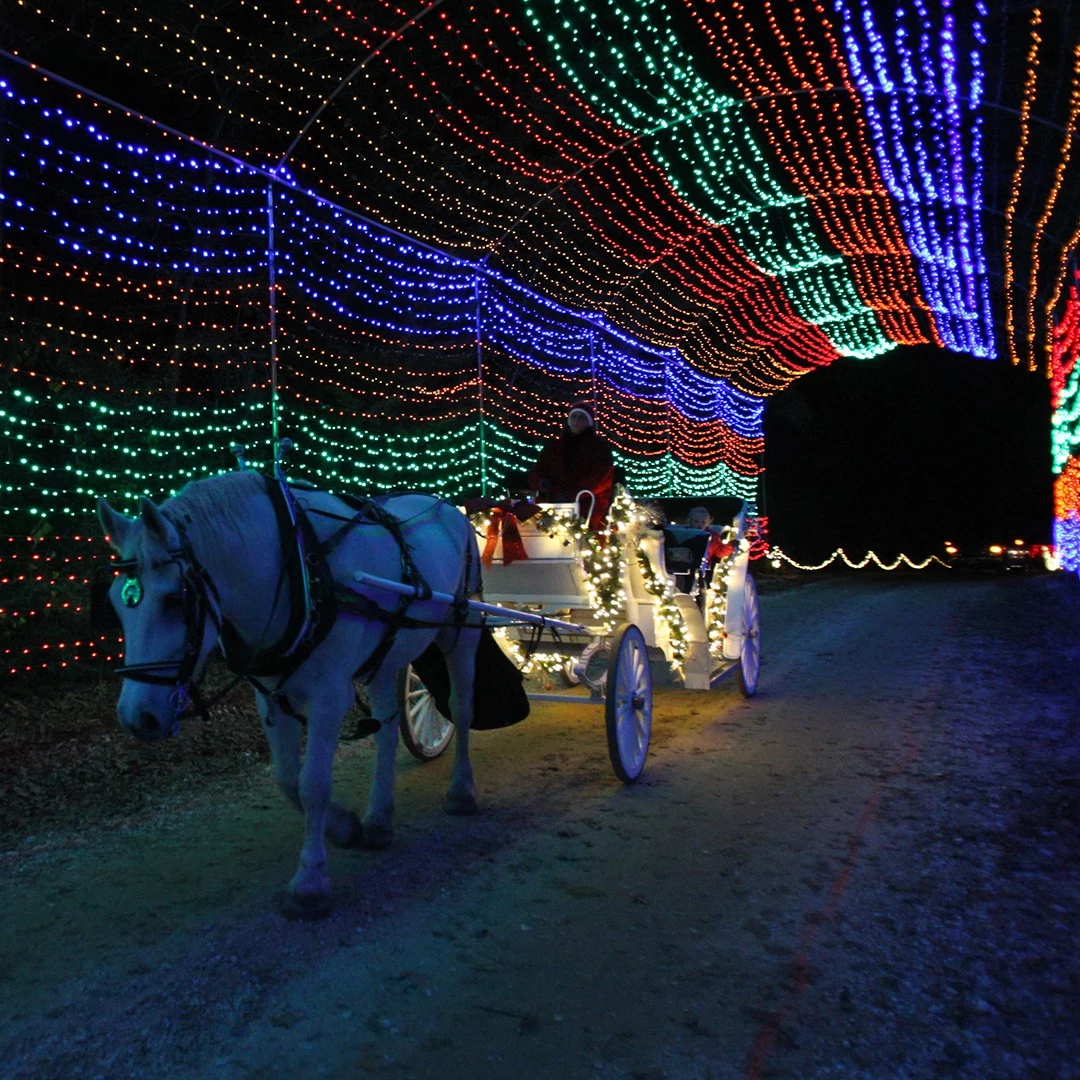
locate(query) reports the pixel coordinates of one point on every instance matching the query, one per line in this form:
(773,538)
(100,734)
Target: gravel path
(869,870)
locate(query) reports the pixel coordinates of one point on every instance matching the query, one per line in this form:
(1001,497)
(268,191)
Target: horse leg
(324,705)
(461,665)
(386,709)
(283,735)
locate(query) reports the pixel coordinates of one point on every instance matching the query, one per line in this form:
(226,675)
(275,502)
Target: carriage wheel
(628,705)
(425,732)
(750,657)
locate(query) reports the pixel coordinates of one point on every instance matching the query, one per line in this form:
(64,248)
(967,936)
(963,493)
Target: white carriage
(611,606)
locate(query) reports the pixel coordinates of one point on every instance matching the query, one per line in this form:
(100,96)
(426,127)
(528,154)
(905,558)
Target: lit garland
(716,597)
(666,612)
(603,557)
(530,663)
(778,556)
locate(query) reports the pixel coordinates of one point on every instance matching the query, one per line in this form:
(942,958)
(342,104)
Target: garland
(716,598)
(667,612)
(603,558)
(549,663)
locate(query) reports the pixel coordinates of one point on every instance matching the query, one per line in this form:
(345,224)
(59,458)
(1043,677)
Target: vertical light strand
(1026,102)
(480,384)
(1044,220)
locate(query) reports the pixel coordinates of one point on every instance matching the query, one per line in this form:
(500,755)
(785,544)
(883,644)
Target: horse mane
(216,507)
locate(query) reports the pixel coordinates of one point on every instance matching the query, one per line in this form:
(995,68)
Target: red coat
(571,463)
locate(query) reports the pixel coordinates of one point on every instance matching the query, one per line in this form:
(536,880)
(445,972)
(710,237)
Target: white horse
(209,563)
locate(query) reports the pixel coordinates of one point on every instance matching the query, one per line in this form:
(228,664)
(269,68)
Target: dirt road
(869,870)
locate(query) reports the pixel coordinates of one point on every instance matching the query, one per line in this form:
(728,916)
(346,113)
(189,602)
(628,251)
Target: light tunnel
(408,236)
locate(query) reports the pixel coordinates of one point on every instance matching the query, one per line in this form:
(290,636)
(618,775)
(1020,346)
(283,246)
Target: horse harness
(316,600)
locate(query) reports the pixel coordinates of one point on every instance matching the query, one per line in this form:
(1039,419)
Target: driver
(576,459)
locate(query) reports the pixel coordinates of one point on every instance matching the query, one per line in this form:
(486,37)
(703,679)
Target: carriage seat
(684,548)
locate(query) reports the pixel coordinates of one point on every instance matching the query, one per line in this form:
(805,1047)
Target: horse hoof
(461,805)
(306,907)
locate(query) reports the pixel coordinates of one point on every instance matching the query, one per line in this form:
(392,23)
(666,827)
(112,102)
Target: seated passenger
(699,518)
(576,459)
(685,547)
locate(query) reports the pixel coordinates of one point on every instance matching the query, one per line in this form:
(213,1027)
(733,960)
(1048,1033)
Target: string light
(777,556)
(57,655)
(1038,237)
(671,213)
(924,128)
(698,136)
(1026,104)
(347,288)
(811,116)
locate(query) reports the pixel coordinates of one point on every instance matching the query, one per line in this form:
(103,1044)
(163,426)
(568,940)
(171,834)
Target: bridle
(201,601)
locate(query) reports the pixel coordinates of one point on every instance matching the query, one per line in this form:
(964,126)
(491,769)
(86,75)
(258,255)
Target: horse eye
(173,600)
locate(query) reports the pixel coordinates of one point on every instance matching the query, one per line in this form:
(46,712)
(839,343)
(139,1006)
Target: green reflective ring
(131,592)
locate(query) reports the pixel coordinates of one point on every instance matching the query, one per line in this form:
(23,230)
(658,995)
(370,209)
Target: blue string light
(361,308)
(928,141)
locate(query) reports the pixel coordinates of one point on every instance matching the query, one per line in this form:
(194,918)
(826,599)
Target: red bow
(505,516)
(717,549)
(503,524)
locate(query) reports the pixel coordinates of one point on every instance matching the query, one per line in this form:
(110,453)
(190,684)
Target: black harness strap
(320,603)
(327,598)
(312,610)
(410,575)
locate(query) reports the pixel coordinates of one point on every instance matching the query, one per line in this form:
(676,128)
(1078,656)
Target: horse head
(167,609)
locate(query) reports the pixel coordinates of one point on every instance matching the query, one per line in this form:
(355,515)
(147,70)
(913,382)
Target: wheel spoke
(750,655)
(425,731)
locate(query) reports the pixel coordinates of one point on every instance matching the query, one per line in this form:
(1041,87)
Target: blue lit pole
(480,383)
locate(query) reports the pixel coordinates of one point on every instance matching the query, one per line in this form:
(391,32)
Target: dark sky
(901,453)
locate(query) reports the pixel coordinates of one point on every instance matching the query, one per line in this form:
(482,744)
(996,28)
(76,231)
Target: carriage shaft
(507,616)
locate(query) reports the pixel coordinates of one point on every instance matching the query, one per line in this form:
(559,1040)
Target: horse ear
(114,525)
(156,523)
